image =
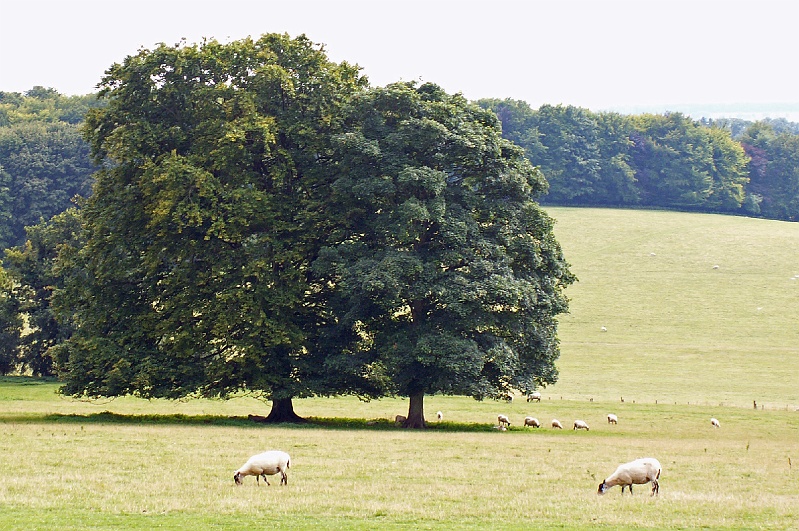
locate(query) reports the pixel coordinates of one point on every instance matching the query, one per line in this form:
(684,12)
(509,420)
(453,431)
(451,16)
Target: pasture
(678,328)
(684,342)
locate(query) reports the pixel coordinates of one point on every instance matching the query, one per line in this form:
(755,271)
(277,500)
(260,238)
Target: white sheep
(439,415)
(556,424)
(580,425)
(532,421)
(503,420)
(638,472)
(715,423)
(612,419)
(265,464)
(534,397)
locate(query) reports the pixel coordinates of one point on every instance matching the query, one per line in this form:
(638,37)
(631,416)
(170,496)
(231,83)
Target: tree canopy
(446,265)
(265,222)
(201,227)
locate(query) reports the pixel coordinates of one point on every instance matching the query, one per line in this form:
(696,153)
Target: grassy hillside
(698,308)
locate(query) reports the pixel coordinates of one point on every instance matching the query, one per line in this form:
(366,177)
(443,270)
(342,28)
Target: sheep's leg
(655,487)
(284,479)
(265,480)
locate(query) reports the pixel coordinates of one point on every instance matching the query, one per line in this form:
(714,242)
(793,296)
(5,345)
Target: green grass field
(677,328)
(684,342)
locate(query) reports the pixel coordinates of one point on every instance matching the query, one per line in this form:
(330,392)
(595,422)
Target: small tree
(33,267)
(10,324)
(447,267)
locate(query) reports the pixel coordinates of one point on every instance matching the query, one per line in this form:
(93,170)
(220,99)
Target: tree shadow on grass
(251,422)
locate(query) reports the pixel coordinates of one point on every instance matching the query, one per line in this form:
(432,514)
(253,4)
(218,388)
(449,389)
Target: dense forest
(658,161)
(668,161)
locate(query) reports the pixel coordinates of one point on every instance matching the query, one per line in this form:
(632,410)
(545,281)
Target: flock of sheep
(503,423)
(637,472)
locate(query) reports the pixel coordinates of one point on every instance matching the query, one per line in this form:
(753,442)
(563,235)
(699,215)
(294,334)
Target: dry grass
(70,471)
(680,332)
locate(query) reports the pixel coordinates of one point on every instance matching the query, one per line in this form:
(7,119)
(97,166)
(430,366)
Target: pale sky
(597,54)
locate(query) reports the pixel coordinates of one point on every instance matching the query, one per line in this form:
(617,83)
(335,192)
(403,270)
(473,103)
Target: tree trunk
(283,411)
(416,412)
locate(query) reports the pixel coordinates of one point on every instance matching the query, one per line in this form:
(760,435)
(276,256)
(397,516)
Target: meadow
(684,342)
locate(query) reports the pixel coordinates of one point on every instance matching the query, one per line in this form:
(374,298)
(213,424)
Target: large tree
(447,267)
(194,279)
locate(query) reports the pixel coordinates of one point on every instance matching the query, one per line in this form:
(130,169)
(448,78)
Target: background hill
(678,328)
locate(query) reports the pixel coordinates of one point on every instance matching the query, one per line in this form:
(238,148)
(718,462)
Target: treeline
(592,159)
(659,161)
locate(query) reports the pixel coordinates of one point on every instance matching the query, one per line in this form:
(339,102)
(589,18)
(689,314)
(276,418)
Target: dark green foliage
(664,161)
(774,171)
(43,167)
(37,279)
(194,278)
(10,324)
(44,162)
(446,265)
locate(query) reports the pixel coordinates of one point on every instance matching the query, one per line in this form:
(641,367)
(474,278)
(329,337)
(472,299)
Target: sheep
(715,423)
(612,419)
(439,415)
(534,397)
(556,424)
(508,398)
(580,425)
(503,420)
(638,472)
(261,465)
(532,421)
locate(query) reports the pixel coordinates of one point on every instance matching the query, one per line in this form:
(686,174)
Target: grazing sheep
(400,419)
(580,425)
(532,421)
(638,472)
(612,419)
(715,423)
(556,424)
(604,329)
(439,415)
(534,397)
(508,398)
(503,420)
(265,464)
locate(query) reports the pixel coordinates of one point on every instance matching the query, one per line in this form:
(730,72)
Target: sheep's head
(602,488)
(237,478)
